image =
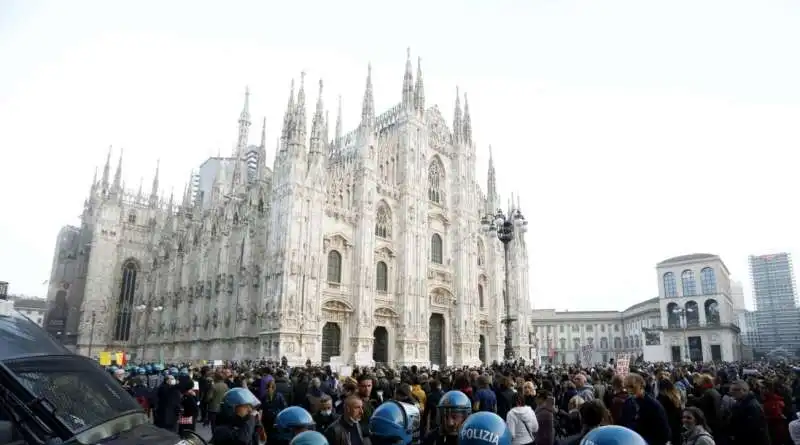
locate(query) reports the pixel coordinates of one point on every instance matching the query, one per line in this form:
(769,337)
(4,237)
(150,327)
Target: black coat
(168,406)
(647,417)
(748,424)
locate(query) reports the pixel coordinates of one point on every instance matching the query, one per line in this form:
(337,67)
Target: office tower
(777,321)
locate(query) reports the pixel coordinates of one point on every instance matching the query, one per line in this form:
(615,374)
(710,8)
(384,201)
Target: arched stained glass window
(437,253)
(334,267)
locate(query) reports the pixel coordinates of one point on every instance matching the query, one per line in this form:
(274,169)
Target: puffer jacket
(522,424)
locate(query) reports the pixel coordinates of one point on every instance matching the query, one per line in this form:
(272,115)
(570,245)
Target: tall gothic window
(383,222)
(334,267)
(436,249)
(382,277)
(436,182)
(122,325)
(480,296)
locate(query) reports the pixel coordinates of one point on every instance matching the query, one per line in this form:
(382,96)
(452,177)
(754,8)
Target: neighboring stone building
(365,245)
(698,320)
(33,308)
(565,336)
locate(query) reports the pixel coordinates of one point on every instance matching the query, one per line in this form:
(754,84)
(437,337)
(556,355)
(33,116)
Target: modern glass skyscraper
(777,316)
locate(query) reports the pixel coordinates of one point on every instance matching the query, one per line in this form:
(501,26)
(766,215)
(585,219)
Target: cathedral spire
(287,120)
(187,196)
(117,187)
(93,188)
(261,163)
(317,136)
(408,84)
(338,139)
(458,123)
(140,193)
(106,171)
(170,208)
(325,131)
(491,188)
(244,124)
(368,105)
(154,189)
(240,164)
(467,132)
(300,112)
(419,90)
(263,143)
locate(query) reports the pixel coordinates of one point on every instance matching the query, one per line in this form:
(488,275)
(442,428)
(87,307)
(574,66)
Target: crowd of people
(503,404)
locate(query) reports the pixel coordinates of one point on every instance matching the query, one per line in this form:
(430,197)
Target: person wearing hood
(189,405)
(168,404)
(522,422)
(271,404)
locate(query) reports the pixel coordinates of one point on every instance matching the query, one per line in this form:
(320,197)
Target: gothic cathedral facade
(365,245)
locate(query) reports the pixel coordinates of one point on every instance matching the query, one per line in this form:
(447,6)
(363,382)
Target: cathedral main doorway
(380,345)
(436,339)
(482,349)
(331,341)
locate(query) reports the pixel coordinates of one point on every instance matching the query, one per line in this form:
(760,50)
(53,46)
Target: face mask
(326,412)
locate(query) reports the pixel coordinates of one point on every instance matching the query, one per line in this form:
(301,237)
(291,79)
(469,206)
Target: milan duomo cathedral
(364,246)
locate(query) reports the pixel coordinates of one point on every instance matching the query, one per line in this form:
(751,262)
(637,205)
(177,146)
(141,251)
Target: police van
(48,395)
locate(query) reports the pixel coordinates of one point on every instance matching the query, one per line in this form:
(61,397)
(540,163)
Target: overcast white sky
(634,130)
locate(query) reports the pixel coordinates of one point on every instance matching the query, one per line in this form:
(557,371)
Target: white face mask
(171,382)
(326,412)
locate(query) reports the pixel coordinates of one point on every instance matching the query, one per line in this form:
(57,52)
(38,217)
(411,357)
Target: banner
(586,354)
(623,364)
(105,359)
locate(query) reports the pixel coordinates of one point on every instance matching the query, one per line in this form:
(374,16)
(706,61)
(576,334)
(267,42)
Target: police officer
(395,423)
(289,423)
(452,410)
(236,423)
(484,428)
(612,435)
(309,438)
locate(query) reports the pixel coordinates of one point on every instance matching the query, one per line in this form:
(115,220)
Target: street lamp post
(147,310)
(504,227)
(681,312)
(91,333)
